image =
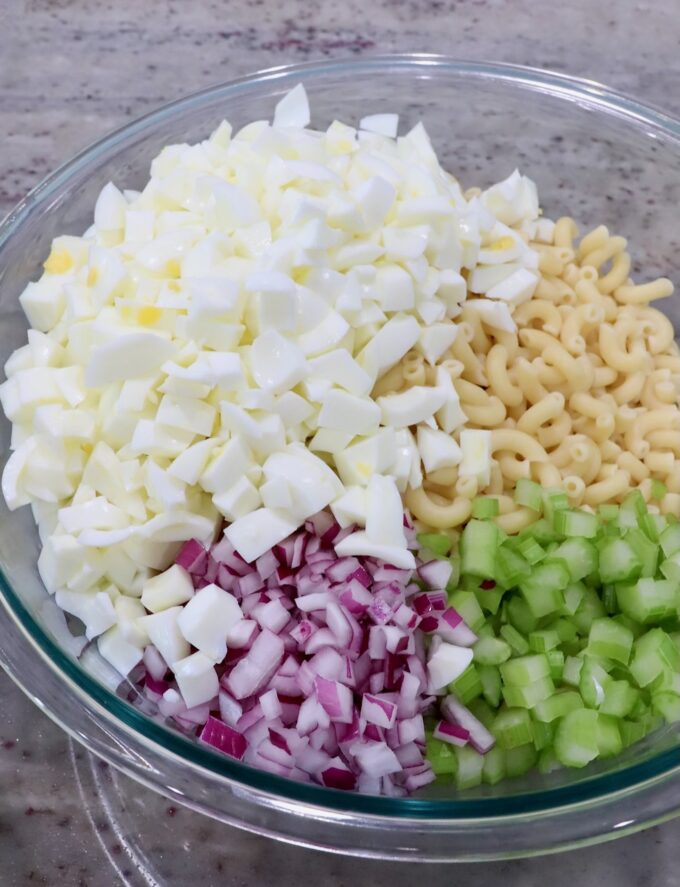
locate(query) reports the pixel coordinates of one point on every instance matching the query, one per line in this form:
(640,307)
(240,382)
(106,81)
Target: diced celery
(573,595)
(609,601)
(667,704)
(529,494)
(632,732)
(469,767)
(590,608)
(490,678)
(609,740)
(667,680)
(466,603)
(619,699)
(670,540)
(454,578)
(635,502)
(618,561)
(531,551)
(576,738)
(647,552)
(520,615)
(608,511)
(659,489)
(543,589)
(481,709)
(554,501)
(543,734)
(484,507)
(575,523)
(438,543)
(571,673)
(670,568)
(518,644)
(543,640)
(441,757)
(511,567)
(512,727)
(478,544)
(491,651)
(489,599)
(525,669)
(652,525)
(467,685)
(567,632)
(593,683)
(542,531)
(520,759)
(528,695)
(649,601)
(557,706)
(547,761)
(556,660)
(610,639)
(652,653)
(579,556)
(494,766)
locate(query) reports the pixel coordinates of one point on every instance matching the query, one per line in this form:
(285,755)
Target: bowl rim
(145,733)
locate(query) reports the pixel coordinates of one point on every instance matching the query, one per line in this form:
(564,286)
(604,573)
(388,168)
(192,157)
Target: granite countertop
(70,70)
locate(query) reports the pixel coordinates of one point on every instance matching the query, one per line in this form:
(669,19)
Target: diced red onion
(452,733)
(456,713)
(224,738)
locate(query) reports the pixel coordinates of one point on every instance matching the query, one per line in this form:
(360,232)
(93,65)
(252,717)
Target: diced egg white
(208,349)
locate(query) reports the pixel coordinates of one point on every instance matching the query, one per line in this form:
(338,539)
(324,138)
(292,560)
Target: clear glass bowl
(596,155)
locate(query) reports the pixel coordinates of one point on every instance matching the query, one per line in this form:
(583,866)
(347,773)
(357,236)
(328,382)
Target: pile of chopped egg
(206,352)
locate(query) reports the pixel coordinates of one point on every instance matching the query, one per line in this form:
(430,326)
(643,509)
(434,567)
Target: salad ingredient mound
(361,478)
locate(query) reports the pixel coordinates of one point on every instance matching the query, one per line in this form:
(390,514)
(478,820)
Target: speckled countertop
(69,71)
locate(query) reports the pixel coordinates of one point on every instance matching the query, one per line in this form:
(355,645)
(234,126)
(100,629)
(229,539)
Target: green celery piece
(556,660)
(610,639)
(565,629)
(609,740)
(649,601)
(543,734)
(652,525)
(652,653)
(491,651)
(579,556)
(543,640)
(441,757)
(590,608)
(669,540)
(659,489)
(619,699)
(632,732)
(531,551)
(571,673)
(618,561)
(478,544)
(635,503)
(525,669)
(543,589)
(554,501)
(557,706)
(512,727)
(489,599)
(593,683)
(573,595)
(574,523)
(438,543)
(490,678)
(511,567)
(466,603)
(467,686)
(541,530)
(667,704)
(520,616)
(529,494)
(520,759)
(547,761)
(484,507)
(576,738)
(494,770)
(469,767)
(608,512)
(518,644)
(670,568)
(528,695)
(646,551)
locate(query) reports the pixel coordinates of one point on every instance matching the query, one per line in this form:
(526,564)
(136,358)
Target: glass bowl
(594,154)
